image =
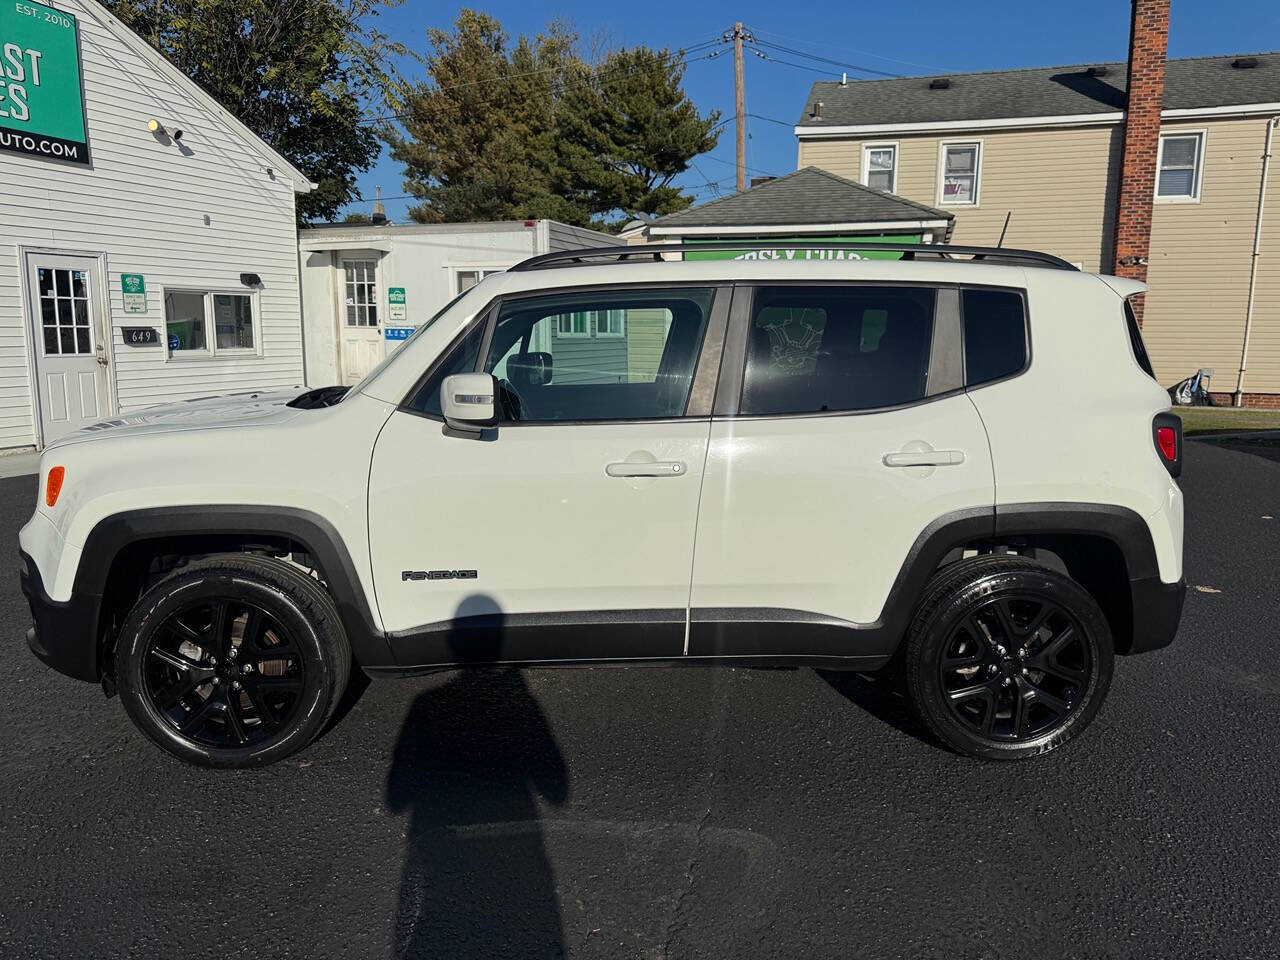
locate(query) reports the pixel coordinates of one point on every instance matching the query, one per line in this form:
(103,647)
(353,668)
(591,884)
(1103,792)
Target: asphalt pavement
(676,812)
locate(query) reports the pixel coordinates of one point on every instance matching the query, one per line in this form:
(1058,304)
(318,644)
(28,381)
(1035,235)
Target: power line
(781,123)
(863,53)
(818,59)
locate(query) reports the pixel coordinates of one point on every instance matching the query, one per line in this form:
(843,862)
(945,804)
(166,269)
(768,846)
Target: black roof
(808,196)
(1040,92)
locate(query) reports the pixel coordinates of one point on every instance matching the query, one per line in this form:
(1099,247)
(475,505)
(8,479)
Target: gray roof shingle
(1040,92)
(808,196)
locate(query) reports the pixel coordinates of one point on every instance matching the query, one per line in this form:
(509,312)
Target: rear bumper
(1157,609)
(63,635)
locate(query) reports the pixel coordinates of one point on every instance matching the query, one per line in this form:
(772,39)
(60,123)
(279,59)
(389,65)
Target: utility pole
(740,104)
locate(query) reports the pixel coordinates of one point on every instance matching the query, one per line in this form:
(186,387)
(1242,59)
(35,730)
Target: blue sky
(916,37)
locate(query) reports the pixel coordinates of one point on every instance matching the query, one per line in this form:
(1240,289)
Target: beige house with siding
(1043,147)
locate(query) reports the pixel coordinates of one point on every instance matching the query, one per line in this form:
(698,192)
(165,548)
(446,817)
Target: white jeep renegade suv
(956,463)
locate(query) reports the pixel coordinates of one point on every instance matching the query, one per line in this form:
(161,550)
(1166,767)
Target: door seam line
(693,554)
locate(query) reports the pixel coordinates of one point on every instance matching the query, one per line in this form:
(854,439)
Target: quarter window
(826,349)
(1180,163)
(961,164)
(638,365)
(880,166)
(995,335)
(360,281)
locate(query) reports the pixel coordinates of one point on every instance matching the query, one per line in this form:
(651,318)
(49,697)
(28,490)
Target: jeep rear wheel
(1007,659)
(232,661)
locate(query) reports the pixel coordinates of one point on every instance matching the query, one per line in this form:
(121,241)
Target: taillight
(1166,430)
(53,485)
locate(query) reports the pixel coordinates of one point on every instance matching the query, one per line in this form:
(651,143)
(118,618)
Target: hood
(254,408)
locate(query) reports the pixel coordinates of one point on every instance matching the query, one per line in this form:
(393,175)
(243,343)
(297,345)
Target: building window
(64,311)
(1180,163)
(190,314)
(466,279)
(573,325)
(880,166)
(361,292)
(961,170)
(611,323)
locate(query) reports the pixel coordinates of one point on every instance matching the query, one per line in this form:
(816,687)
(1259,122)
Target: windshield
(422,328)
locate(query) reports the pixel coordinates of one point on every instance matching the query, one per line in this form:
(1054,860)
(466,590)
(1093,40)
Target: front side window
(995,334)
(827,349)
(880,161)
(361,289)
(613,355)
(1180,163)
(199,322)
(960,171)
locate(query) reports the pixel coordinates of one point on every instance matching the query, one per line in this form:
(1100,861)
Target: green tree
(301,74)
(501,131)
(629,131)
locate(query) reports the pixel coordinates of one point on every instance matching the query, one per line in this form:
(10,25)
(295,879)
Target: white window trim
(977,171)
(608,335)
(572,335)
(460,266)
(866,165)
(376,302)
(211,350)
(1202,135)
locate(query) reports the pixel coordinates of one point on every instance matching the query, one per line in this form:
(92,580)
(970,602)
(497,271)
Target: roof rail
(654,252)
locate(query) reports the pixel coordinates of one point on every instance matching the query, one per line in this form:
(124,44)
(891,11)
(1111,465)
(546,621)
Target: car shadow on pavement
(882,696)
(473,758)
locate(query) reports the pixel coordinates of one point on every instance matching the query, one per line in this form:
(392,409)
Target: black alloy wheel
(1006,658)
(1015,668)
(225,673)
(233,660)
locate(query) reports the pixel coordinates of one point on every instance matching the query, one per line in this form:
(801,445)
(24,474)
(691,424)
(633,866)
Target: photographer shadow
(474,757)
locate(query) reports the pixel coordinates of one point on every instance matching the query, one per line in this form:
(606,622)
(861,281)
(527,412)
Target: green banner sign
(41,98)
(134,287)
(794,248)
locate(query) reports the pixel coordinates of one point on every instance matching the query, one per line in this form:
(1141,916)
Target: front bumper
(1157,609)
(63,635)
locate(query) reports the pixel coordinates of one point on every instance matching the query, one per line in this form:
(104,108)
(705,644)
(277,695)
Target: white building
(366,287)
(148,249)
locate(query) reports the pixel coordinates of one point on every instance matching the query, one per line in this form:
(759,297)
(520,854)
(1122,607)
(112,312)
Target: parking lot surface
(676,812)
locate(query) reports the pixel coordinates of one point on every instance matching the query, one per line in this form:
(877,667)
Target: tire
(1006,659)
(232,661)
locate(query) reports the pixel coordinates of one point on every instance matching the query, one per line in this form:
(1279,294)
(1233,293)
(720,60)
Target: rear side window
(1135,341)
(995,334)
(820,349)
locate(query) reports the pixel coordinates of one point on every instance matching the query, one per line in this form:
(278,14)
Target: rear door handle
(660,468)
(923,458)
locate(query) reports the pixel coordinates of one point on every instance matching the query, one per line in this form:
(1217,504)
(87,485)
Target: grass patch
(1202,419)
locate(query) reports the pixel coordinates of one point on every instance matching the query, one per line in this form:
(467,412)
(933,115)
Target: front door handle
(923,458)
(659,468)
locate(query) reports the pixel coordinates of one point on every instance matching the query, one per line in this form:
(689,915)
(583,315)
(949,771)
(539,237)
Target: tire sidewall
(172,595)
(1046,584)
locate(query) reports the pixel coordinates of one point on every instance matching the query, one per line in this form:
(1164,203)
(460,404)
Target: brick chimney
(1148,41)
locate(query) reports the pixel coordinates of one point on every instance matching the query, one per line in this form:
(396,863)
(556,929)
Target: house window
(611,323)
(880,166)
(573,325)
(1180,163)
(190,315)
(469,278)
(961,168)
(361,292)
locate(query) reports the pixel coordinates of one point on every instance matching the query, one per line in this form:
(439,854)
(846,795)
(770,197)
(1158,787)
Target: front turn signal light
(53,485)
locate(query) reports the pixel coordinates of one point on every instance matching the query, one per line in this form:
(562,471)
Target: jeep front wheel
(232,661)
(1006,658)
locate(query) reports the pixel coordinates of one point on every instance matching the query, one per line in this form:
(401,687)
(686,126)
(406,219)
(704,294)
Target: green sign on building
(41,97)
(134,287)
(398,303)
(794,248)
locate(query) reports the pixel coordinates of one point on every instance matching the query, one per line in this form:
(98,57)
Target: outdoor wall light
(155,126)
(159,132)
(250,279)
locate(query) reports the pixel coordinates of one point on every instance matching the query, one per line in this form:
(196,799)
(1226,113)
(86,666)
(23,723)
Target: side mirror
(469,402)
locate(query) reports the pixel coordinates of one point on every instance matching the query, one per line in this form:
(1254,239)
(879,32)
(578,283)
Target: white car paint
(797,512)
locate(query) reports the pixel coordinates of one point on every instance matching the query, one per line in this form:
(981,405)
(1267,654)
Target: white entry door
(70,359)
(362,347)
